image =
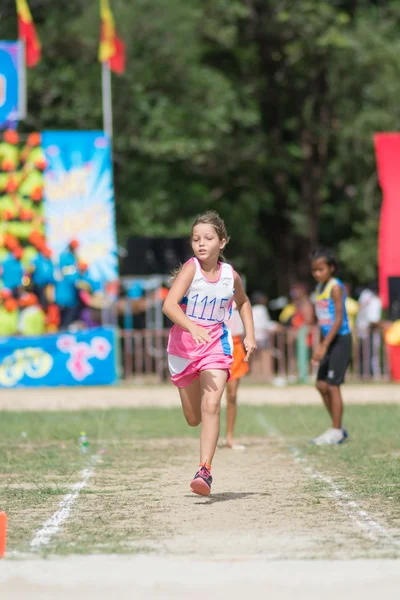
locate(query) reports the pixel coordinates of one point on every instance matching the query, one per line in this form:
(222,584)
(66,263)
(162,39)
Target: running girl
(200,345)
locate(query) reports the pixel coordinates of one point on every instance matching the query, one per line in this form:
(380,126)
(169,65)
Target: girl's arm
(337,297)
(308,312)
(173,311)
(246,314)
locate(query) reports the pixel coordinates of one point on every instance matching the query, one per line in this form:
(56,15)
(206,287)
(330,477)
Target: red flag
(112,48)
(27,33)
(387,148)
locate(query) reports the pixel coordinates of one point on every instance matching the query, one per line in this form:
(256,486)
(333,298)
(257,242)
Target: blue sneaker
(345,433)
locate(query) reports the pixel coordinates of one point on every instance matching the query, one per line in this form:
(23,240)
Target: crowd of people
(365,314)
(43,294)
(365,319)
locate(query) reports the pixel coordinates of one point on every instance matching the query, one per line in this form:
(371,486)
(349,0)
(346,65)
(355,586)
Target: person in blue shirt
(135,306)
(42,274)
(68,257)
(333,353)
(85,281)
(67,298)
(12,272)
(91,299)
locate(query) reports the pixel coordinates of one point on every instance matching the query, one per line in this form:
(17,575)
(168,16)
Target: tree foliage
(264,110)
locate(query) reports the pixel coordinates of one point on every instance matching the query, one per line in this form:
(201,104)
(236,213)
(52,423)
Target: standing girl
(239,369)
(333,353)
(200,345)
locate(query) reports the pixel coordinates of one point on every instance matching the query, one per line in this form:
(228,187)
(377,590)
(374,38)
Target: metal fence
(286,357)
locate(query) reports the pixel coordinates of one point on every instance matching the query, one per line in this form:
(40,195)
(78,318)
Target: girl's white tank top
(209,302)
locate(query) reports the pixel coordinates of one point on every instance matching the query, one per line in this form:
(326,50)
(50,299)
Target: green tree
(262,109)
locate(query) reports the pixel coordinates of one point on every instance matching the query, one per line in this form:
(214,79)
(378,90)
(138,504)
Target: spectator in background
(91,300)
(68,257)
(303,308)
(300,315)
(263,326)
(369,312)
(351,307)
(66,290)
(262,320)
(66,296)
(300,310)
(132,306)
(13,272)
(367,324)
(42,274)
(85,281)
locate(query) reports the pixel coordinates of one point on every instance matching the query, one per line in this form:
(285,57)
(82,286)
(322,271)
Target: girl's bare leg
(231,409)
(212,384)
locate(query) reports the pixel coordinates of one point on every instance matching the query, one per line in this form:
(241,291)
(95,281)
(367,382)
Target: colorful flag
(27,33)
(112,48)
(387,150)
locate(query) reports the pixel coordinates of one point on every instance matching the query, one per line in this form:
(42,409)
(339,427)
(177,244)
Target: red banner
(387,148)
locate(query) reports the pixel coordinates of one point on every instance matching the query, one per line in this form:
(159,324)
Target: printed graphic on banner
(9,81)
(80,354)
(85,358)
(21,195)
(79,199)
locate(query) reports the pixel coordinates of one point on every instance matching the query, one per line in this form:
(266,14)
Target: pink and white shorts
(185,370)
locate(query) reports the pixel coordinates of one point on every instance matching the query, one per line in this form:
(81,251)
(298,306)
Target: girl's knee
(193,420)
(333,388)
(322,386)
(231,398)
(211,406)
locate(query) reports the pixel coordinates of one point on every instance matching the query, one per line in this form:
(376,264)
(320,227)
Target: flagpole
(22,87)
(107,98)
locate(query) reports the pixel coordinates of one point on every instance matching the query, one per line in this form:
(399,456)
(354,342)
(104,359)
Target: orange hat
(74,244)
(18,252)
(82,266)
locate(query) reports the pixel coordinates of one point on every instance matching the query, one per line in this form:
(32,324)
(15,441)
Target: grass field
(138,500)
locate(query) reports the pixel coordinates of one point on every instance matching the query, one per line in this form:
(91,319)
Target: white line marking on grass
(371,529)
(51,527)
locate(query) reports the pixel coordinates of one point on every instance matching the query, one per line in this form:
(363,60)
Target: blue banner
(9,81)
(79,198)
(66,359)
